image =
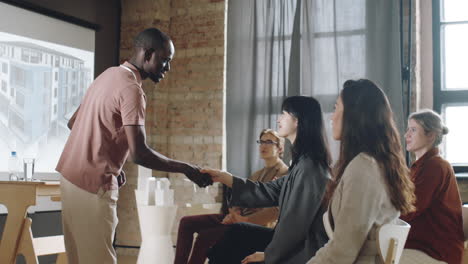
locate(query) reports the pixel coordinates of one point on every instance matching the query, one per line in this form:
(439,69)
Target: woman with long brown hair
(372,184)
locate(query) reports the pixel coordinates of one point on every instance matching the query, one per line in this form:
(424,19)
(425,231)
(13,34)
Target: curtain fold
(279,48)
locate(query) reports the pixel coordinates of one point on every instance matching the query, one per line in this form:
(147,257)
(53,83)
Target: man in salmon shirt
(108,125)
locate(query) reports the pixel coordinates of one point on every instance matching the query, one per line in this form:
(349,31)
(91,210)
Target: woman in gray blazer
(299,232)
(372,184)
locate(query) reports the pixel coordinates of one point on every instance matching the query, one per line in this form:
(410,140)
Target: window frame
(443,97)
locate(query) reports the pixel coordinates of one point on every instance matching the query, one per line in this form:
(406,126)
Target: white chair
(327,225)
(391,239)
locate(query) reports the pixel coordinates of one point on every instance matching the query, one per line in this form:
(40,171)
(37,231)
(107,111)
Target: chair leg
(62,258)
(26,246)
(391,252)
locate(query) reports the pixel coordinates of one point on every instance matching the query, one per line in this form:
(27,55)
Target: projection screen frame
(47,206)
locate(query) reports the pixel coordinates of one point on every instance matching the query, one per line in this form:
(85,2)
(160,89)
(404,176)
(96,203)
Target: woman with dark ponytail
(299,195)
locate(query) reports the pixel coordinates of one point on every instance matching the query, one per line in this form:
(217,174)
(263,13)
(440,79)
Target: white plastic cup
(150,189)
(143,175)
(28,164)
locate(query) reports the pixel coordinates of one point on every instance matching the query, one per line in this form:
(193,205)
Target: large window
(450,31)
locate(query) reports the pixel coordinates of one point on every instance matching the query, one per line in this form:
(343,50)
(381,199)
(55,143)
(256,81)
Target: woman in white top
(371,185)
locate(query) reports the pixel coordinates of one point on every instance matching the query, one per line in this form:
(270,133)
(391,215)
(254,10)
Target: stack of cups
(153,191)
(164,196)
(149,198)
(143,175)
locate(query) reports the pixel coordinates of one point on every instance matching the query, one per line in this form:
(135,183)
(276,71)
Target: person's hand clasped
(223,177)
(199,178)
(121,179)
(234,217)
(237,217)
(227,220)
(255,257)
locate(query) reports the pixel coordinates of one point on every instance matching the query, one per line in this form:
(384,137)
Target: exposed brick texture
(185,111)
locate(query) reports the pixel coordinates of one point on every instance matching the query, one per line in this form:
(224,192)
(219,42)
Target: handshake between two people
(234,216)
(205,176)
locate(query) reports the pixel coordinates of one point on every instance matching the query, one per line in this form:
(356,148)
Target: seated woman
(372,184)
(210,228)
(436,234)
(299,232)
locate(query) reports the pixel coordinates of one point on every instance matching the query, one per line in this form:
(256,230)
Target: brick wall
(185,111)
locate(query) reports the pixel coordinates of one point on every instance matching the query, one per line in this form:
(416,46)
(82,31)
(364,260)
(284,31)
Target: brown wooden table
(17,237)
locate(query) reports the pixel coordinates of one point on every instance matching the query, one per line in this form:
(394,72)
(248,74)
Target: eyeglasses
(267,142)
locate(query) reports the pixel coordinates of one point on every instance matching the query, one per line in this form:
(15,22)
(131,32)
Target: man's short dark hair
(151,38)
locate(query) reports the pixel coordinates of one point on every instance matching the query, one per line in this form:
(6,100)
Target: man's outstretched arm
(142,154)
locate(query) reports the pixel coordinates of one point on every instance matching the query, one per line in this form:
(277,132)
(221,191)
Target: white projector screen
(46,65)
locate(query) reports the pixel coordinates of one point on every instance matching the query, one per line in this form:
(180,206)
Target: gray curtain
(279,48)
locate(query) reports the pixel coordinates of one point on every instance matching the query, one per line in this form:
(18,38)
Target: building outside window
(20,100)
(4,86)
(18,76)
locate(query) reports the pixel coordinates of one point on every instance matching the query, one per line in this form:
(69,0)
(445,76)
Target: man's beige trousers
(89,221)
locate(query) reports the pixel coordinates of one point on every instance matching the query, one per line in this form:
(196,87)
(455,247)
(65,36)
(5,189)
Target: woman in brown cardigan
(210,228)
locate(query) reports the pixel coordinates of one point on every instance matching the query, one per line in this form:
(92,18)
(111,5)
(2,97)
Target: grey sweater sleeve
(306,190)
(249,194)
